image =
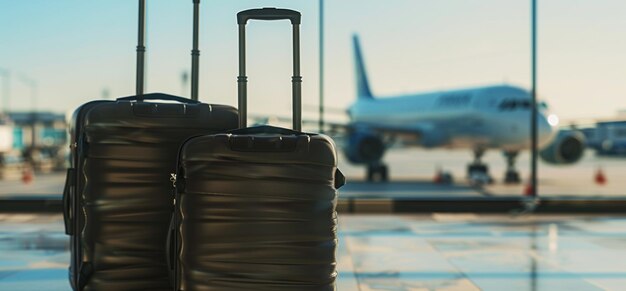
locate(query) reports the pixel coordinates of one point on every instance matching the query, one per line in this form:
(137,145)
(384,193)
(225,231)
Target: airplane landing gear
(477,172)
(511,176)
(377,172)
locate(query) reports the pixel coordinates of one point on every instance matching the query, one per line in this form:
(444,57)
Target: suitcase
(118,199)
(255,207)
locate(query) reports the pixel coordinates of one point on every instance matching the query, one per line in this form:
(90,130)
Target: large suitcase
(255,207)
(118,199)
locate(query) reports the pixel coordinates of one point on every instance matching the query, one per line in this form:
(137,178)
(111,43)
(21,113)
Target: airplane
(477,119)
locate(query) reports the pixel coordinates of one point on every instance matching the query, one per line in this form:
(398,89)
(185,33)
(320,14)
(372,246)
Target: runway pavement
(42,185)
(412,172)
(420,166)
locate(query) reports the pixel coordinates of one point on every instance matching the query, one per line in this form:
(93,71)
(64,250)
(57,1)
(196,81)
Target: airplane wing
(391,135)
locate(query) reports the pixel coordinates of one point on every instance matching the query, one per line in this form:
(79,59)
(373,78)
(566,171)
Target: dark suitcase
(118,199)
(255,207)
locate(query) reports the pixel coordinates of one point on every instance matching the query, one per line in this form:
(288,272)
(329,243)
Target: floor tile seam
(354,272)
(457,268)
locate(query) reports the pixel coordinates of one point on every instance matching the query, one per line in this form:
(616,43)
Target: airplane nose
(546,128)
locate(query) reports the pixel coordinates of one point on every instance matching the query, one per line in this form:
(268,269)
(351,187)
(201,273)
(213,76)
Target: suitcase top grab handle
(296,79)
(159,96)
(268,14)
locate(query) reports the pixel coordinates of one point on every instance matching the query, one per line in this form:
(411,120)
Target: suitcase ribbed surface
(257,218)
(127,198)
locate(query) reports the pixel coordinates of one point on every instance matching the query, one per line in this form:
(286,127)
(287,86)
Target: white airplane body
(478,119)
(469,118)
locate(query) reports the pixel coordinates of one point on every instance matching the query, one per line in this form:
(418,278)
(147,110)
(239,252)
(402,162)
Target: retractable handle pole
(141,48)
(195,52)
(141,51)
(296,79)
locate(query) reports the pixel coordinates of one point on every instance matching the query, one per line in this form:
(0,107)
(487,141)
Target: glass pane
(428,103)
(413,90)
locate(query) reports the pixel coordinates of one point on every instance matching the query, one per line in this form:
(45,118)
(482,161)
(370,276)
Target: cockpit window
(515,104)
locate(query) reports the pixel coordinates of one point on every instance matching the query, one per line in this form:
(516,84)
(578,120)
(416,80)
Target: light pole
(533,90)
(321,70)
(32,83)
(6,91)
(106,93)
(184,79)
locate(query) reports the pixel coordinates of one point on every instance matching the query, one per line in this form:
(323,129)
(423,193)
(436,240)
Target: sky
(76,50)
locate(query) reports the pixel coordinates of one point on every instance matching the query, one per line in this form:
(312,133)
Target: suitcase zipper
(173,180)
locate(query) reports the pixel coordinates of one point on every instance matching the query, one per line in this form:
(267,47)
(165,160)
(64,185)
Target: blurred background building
(32,139)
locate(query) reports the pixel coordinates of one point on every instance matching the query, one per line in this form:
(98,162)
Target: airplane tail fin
(362,84)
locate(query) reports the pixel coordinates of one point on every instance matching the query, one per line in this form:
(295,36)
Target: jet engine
(567,147)
(364,148)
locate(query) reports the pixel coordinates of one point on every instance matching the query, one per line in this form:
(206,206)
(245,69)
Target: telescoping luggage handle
(296,79)
(141,51)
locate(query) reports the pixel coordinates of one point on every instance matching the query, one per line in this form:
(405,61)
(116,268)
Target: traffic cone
(438,177)
(27,176)
(600,178)
(528,190)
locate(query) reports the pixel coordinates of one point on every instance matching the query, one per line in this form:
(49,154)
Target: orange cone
(438,178)
(600,178)
(27,176)
(528,190)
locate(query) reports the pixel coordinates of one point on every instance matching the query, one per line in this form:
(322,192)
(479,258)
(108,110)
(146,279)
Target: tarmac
(412,175)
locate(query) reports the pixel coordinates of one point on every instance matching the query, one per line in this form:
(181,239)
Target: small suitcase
(255,207)
(117,199)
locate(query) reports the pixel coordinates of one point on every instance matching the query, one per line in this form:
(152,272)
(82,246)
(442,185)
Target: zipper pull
(173,179)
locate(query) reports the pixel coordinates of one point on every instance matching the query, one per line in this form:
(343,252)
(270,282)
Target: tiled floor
(434,252)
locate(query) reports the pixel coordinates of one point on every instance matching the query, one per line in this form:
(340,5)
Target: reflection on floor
(434,252)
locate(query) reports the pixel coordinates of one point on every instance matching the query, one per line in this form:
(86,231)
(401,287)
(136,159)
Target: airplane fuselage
(477,118)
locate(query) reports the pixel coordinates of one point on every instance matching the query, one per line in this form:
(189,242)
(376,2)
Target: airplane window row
(513,104)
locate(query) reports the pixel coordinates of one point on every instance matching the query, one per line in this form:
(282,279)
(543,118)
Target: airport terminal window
(435,147)
(441,141)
